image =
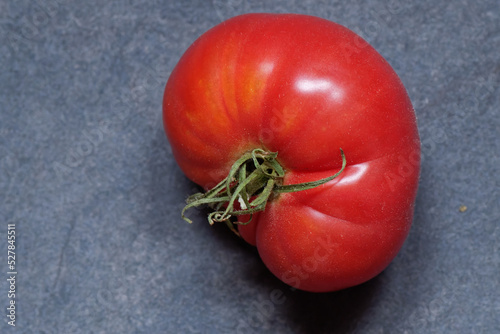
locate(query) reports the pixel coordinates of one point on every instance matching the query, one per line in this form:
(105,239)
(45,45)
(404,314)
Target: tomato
(304,89)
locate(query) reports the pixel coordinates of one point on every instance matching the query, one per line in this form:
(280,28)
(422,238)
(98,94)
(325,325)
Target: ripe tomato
(304,88)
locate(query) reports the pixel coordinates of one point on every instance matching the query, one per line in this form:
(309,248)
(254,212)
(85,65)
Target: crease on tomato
(342,195)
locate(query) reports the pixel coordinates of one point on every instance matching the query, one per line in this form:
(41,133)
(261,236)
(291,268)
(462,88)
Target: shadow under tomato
(308,312)
(334,312)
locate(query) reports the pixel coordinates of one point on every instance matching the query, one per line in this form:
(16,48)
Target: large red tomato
(307,89)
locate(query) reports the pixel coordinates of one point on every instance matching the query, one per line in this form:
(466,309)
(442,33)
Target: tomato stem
(252,181)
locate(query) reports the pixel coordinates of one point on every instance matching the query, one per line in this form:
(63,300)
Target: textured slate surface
(89,181)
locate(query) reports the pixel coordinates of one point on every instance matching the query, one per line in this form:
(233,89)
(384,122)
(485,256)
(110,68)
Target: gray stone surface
(87,176)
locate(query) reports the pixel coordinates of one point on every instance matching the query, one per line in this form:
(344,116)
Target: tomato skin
(303,87)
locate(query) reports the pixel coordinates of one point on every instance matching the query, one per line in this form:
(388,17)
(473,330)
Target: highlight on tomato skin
(304,141)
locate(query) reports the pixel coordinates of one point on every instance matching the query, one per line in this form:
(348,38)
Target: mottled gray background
(88,178)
